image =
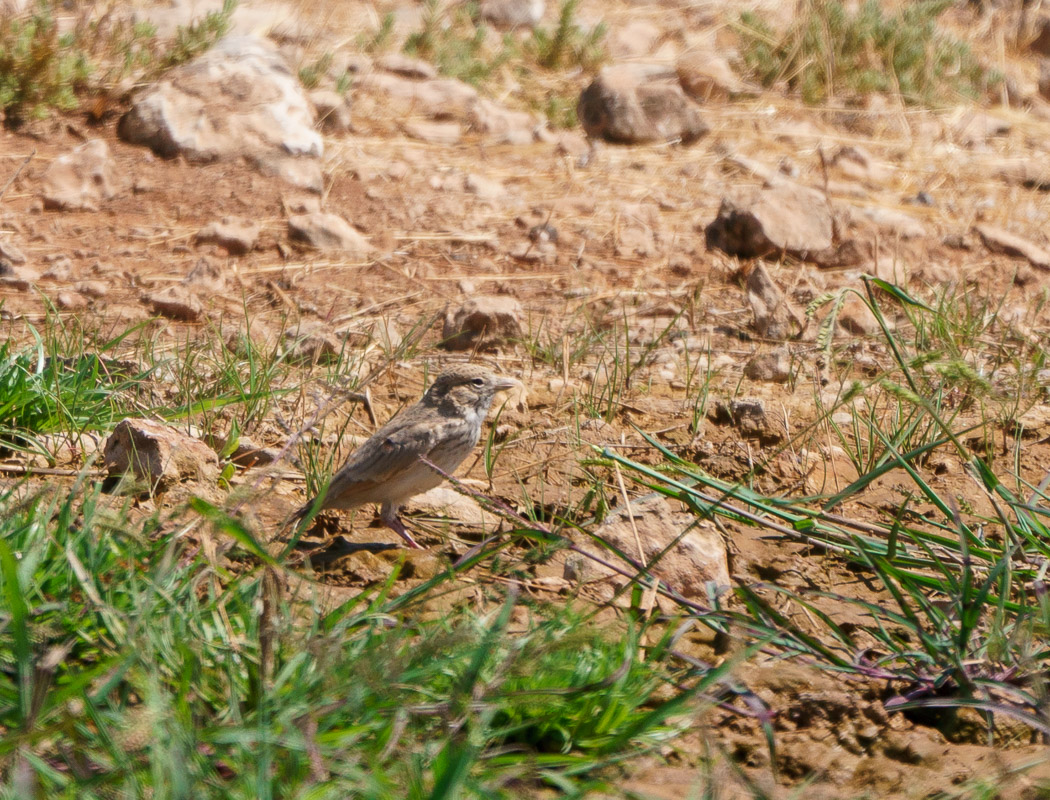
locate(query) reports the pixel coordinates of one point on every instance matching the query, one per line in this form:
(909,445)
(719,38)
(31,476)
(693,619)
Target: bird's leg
(389,517)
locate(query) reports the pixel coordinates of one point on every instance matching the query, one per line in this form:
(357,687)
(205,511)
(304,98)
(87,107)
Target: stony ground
(626,319)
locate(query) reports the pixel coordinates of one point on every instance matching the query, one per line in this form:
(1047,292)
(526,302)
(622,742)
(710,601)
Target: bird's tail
(289,526)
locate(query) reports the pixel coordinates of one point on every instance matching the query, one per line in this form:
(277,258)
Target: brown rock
(748,415)
(158,455)
(312,342)
(485,320)
(70,301)
(406,66)
(1041,43)
(775,315)
(705,75)
(176,303)
(237,235)
(240,99)
(327,231)
(9,252)
(778,219)
(619,107)
(510,14)
(80,180)
(1002,241)
(774,367)
(696,557)
(856,318)
(206,275)
(333,110)
(434,132)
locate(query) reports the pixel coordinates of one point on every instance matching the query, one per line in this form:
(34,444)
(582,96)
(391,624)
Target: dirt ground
(630,264)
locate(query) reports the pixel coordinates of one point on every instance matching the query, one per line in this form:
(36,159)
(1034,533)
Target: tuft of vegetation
(38,68)
(568,45)
(310,74)
(457,45)
(192,40)
(460,46)
(960,615)
(42,70)
(133,664)
(834,50)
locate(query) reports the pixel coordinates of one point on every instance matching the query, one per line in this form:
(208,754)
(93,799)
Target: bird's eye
(478,381)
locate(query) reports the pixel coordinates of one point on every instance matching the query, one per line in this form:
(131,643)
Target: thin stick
(18,172)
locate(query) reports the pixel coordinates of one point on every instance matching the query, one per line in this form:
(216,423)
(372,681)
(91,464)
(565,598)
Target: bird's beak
(519,397)
(502,384)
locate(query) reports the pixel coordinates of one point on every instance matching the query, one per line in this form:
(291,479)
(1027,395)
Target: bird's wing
(387,454)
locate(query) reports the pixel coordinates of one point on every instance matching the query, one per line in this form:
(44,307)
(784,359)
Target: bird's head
(467,386)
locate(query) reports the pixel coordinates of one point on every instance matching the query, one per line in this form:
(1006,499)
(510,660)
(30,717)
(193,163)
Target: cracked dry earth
(628,278)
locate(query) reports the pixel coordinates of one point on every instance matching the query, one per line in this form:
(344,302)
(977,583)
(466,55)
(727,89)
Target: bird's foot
(397,526)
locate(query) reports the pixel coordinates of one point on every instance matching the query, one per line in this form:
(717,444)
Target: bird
(443,427)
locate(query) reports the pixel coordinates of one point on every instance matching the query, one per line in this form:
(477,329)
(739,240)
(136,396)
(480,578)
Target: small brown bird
(443,427)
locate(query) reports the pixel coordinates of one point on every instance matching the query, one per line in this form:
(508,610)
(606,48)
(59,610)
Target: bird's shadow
(339,547)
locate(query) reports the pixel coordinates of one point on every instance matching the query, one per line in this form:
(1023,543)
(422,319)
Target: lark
(443,427)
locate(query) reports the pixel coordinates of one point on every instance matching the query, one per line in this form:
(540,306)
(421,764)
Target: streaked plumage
(444,427)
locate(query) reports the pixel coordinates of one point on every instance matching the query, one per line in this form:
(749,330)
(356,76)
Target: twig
(17,172)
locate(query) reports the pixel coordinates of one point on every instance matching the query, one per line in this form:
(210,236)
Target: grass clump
(959,614)
(834,51)
(462,47)
(135,663)
(568,45)
(458,45)
(42,70)
(38,68)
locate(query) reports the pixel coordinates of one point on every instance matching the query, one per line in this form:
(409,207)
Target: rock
(449,504)
(634,39)
(693,560)
(237,235)
(895,222)
(176,303)
(971,126)
(1001,241)
(80,180)
(1040,45)
(93,289)
(619,107)
(207,276)
(784,218)
(775,315)
(1044,78)
(705,76)
(856,318)
(333,110)
(379,331)
(21,279)
(856,163)
(484,188)
(10,253)
(484,320)
(158,455)
(238,99)
(510,14)
(248,453)
(505,125)
(749,417)
(312,342)
(774,367)
(70,301)
(440,98)
(434,132)
(406,66)
(1027,172)
(327,231)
